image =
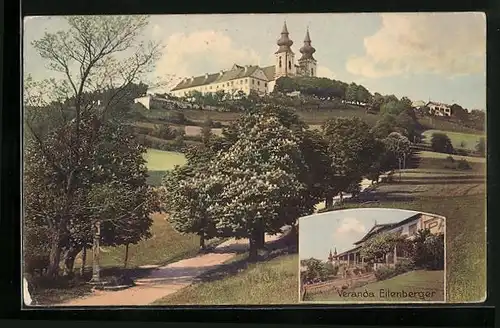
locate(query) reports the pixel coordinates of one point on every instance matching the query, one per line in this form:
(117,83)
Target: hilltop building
(439,109)
(252,77)
(407,227)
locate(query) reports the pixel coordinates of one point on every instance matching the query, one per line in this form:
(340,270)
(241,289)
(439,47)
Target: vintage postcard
(372,255)
(168,159)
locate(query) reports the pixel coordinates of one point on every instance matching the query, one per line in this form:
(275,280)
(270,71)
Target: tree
(258,175)
(363,95)
(382,162)
(481,146)
(316,270)
(400,147)
(460,113)
(351,147)
(393,108)
(377,101)
(206,130)
(477,119)
(376,248)
(384,126)
(319,172)
(428,250)
(406,102)
(95,53)
(351,93)
(441,143)
(182,186)
(187,198)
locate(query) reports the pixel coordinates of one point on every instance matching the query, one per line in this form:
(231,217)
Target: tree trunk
(126,256)
(69,260)
(54,256)
(260,235)
(341,200)
(202,241)
(329,200)
(252,253)
(96,274)
(400,169)
(260,239)
(84,261)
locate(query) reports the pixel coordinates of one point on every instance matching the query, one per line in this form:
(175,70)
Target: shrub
(174,117)
(120,280)
(429,251)
(357,271)
(335,270)
(193,138)
(217,125)
(463,164)
(441,143)
(163,131)
(35,248)
(481,146)
(462,152)
(434,246)
(385,272)
(404,265)
(141,129)
(450,159)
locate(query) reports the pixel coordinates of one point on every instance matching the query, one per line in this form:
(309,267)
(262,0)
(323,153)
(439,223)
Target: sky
(320,233)
(424,56)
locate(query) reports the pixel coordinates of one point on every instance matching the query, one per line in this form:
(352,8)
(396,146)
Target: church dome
(307,50)
(284,41)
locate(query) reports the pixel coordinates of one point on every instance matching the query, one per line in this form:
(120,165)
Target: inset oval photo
(372,255)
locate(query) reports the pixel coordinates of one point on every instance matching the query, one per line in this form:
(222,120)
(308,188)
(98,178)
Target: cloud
(350,225)
(442,43)
(201,52)
(324,71)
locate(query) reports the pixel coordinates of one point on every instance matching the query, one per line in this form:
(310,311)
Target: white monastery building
(252,77)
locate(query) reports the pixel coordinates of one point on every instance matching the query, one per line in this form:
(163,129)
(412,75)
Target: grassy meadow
(458,139)
(270,282)
(159,161)
(414,281)
(165,246)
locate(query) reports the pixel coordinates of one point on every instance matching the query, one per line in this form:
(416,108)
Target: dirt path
(166,280)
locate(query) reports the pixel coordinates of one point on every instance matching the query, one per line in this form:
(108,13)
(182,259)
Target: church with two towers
(253,78)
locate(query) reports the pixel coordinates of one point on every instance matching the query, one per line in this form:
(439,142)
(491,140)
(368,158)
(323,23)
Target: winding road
(168,279)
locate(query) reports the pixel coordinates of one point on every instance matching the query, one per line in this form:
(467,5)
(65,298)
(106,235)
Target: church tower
(330,256)
(285,58)
(307,63)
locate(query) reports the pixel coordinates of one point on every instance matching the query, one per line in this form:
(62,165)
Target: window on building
(412,229)
(246,81)
(280,62)
(312,71)
(430,224)
(265,84)
(289,65)
(253,81)
(258,82)
(232,82)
